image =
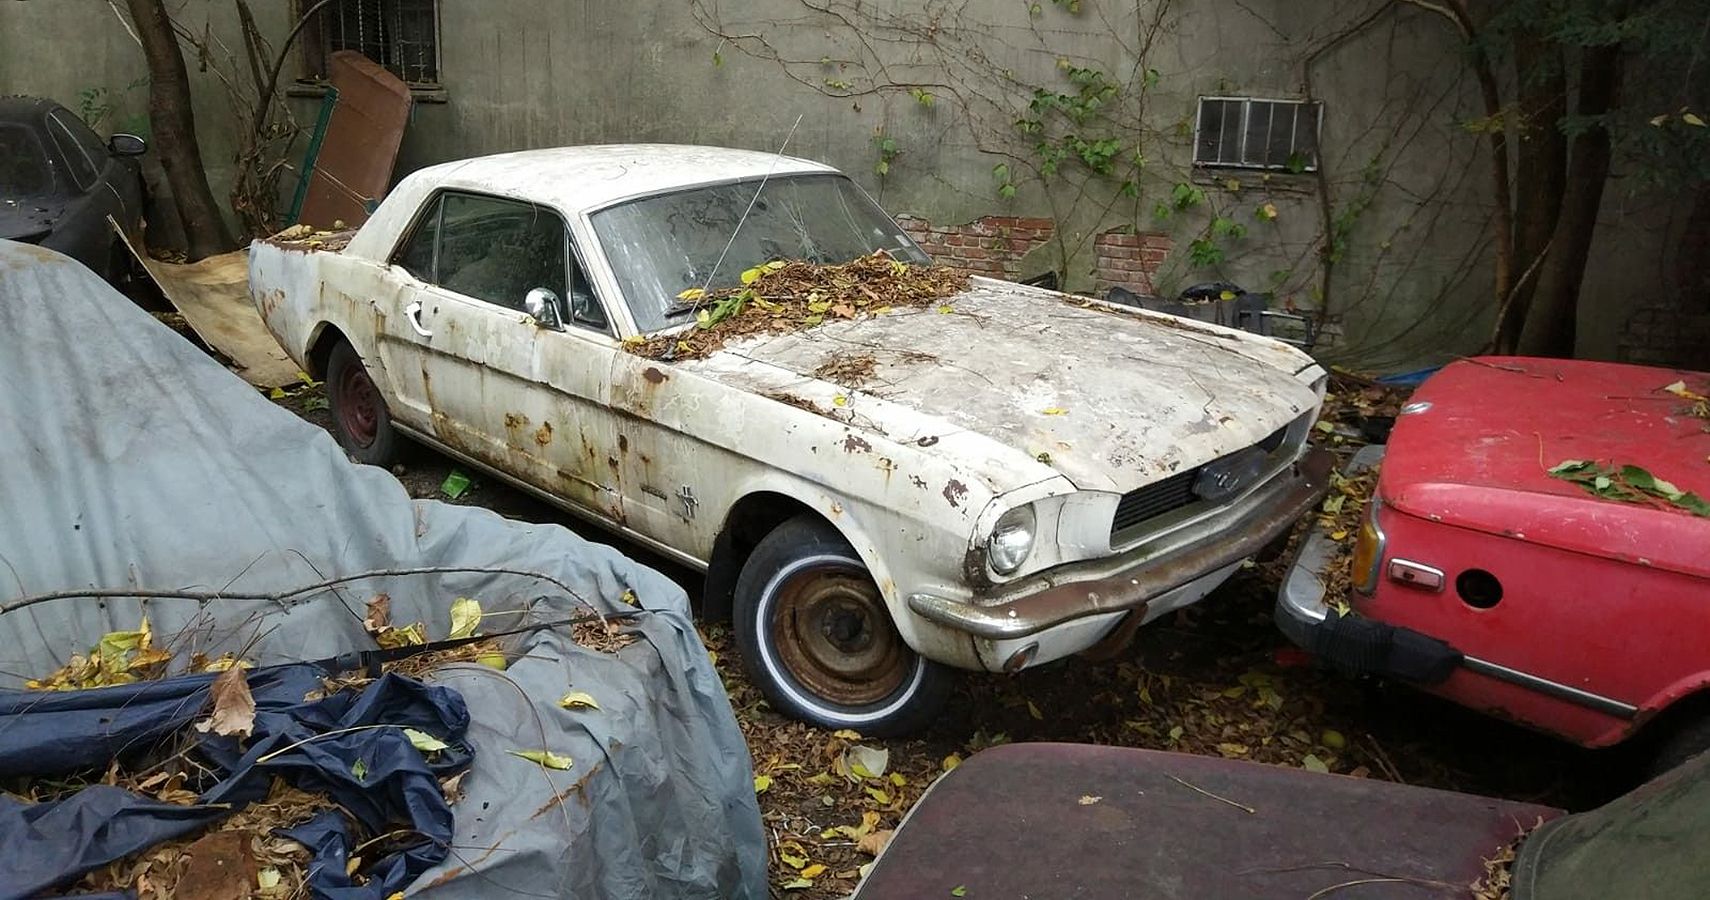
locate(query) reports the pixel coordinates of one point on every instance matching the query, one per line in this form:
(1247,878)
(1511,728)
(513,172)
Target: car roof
(15,108)
(583,179)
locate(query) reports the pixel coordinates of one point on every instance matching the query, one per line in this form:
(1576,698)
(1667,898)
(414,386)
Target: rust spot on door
(543,434)
(853,442)
(623,443)
(654,376)
(515,420)
(954,492)
(918,481)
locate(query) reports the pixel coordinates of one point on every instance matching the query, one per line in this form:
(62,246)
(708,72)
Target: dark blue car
(59,183)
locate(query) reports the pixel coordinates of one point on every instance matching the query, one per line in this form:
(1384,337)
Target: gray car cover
(132,460)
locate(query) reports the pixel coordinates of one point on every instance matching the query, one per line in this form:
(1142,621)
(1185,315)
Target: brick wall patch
(1126,259)
(990,245)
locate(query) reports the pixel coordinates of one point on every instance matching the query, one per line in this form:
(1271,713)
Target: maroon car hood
(1078,821)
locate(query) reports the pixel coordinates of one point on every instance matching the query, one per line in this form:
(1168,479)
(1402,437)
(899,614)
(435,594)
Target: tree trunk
(1551,322)
(1541,161)
(173,127)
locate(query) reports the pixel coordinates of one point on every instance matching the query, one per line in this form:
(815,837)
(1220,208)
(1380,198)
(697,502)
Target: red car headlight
(1368,549)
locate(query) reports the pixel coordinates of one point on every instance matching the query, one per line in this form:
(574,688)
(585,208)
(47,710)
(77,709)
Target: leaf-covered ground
(1216,679)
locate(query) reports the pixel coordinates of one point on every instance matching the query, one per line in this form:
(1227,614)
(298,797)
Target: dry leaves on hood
(234,708)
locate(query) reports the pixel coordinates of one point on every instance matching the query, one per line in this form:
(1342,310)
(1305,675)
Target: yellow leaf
(840,400)
(1679,390)
(576,699)
(1333,739)
(630,598)
(544,757)
(898,779)
(425,742)
(465,617)
(797,884)
(794,862)
(1052,411)
(1226,295)
(1089,799)
(692,294)
(1340,535)
(762,783)
(1692,119)
(846,734)
(883,797)
(813,871)
(493,661)
(634,340)
(1658,120)
(951,762)
(944,310)
(749,276)
(1034,711)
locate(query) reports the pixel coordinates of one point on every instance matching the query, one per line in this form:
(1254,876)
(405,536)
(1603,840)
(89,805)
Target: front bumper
(1265,517)
(1353,644)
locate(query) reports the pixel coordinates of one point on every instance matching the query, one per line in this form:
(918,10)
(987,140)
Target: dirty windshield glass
(24,168)
(660,246)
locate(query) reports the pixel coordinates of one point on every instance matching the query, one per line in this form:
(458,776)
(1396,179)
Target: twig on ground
(1241,806)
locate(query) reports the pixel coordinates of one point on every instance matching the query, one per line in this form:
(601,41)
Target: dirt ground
(1216,679)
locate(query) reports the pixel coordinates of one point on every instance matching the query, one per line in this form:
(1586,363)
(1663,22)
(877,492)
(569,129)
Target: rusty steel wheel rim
(834,636)
(358,406)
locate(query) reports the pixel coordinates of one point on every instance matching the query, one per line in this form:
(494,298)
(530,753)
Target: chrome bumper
(1268,515)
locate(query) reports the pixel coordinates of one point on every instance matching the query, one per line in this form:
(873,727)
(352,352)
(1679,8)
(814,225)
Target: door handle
(413,313)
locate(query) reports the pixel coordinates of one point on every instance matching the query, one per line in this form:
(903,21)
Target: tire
(361,421)
(802,583)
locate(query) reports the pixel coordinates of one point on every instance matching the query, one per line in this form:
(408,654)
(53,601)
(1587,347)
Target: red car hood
(1476,445)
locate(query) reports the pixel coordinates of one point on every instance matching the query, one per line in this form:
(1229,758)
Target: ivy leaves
(1629,484)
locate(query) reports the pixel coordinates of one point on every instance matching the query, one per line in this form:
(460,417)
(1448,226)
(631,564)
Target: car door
(115,177)
(499,386)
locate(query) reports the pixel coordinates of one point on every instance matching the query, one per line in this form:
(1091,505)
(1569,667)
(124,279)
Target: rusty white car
(1031,477)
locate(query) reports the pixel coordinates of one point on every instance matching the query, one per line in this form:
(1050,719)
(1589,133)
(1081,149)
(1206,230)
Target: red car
(1538,547)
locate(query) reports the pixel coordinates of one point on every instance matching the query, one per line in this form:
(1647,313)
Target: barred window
(400,35)
(1248,133)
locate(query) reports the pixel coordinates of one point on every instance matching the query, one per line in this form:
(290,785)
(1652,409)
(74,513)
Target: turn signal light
(1368,550)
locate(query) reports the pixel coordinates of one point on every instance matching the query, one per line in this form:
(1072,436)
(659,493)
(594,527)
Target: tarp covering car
(137,466)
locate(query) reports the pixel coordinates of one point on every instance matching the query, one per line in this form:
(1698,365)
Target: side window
(93,146)
(498,250)
(417,253)
(82,170)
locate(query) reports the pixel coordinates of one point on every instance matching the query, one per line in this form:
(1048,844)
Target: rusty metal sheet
(1101,823)
(354,167)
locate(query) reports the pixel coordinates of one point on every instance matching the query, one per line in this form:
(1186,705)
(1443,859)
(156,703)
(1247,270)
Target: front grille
(1153,500)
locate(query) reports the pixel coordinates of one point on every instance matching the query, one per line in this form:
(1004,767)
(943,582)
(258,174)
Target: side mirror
(542,304)
(126,145)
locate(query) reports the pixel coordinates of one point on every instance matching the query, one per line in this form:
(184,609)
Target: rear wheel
(818,640)
(360,418)
(1685,738)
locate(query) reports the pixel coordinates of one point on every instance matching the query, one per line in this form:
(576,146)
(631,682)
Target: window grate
(401,35)
(1248,133)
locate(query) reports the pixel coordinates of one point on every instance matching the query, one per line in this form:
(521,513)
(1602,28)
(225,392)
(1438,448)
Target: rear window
(24,166)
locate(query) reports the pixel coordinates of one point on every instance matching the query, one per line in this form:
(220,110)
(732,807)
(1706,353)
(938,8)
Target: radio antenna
(751,201)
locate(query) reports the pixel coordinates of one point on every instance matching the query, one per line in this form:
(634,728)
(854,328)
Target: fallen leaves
(119,657)
(544,758)
(848,369)
(234,707)
(780,297)
(425,742)
(578,700)
(465,618)
(1628,484)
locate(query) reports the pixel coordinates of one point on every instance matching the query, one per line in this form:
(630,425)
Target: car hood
(1475,449)
(1111,398)
(24,217)
(1101,823)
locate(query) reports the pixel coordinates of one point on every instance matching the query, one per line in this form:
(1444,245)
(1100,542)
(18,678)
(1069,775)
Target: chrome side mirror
(122,144)
(542,304)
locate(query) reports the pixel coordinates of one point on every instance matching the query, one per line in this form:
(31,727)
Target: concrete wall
(1402,180)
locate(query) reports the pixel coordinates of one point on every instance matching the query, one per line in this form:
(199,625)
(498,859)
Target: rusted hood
(1112,399)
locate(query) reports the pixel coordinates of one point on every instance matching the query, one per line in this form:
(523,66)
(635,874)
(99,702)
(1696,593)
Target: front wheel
(817,638)
(361,421)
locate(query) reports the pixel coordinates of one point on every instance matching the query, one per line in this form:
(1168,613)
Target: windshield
(24,168)
(661,246)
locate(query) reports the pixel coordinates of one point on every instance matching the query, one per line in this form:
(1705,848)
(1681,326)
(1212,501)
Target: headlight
(1011,540)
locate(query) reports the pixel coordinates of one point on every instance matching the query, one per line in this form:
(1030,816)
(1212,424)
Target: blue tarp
(374,774)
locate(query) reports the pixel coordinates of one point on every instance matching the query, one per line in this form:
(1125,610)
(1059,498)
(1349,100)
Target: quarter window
(1246,133)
